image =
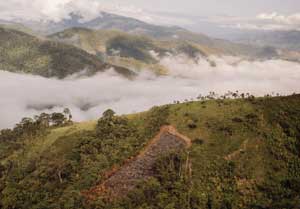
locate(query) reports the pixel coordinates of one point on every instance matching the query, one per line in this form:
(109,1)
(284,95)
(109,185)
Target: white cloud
(293,19)
(260,27)
(264,22)
(270,21)
(26,95)
(56,10)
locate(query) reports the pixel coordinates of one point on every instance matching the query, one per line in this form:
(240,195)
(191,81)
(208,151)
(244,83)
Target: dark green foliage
(113,127)
(108,114)
(190,50)
(198,141)
(281,185)
(237,120)
(155,118)
(68,60)
(72,164)
(28,128)
(132,47)
(20,52)
(58,119)
(245,154)
(192,124)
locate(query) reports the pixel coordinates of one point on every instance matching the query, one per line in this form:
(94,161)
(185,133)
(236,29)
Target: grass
(21,52)
(133,49)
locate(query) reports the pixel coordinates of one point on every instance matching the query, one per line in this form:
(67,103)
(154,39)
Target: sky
(197,15)
(216,7)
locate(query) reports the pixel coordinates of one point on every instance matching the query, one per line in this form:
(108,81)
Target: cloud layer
(293,19)
(265,22)
(87,97)
(57,10)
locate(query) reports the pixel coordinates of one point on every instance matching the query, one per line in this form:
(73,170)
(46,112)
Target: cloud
(260,27)
(293,19)
(87,97)
(56,10)
(266,22)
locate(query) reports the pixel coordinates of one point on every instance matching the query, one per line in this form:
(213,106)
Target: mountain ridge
(21,52)
(108,21)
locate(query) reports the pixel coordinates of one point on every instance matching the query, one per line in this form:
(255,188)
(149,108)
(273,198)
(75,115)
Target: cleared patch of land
(123,180)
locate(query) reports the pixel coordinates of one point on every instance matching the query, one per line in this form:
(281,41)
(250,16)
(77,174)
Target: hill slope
(21,52)
(107,21)
(131,51)
(244,154)
(280,39)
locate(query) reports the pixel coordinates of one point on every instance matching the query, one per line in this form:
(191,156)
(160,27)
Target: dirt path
(123,180)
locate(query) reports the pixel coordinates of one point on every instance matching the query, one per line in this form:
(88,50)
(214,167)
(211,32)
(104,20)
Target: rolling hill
(128,50)
(21,52)
(107,21)
(288,40)
(244,154)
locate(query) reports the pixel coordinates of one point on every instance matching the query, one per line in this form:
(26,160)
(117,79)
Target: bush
(198,141)
(191,124)
(113,127)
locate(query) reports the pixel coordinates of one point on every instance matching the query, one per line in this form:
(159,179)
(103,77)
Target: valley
(110,107)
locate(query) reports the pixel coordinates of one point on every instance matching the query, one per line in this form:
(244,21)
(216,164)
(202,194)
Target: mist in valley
(87,97)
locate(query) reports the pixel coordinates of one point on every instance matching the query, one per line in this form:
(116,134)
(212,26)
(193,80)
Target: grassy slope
(21,52)
(244,153)
(95,41)
(134,49)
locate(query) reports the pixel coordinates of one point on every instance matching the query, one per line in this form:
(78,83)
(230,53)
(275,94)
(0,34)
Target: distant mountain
(127,43)
(289,40)
(103,21)
(106,21)
(128,50)
(21,52)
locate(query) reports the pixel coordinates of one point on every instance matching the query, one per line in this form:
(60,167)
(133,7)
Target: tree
(108,113)
(58,119)
(110,126)
(44,120)
(68,114)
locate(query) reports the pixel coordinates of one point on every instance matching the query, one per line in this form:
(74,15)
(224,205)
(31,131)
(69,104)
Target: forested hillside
(21,52)
(245,153)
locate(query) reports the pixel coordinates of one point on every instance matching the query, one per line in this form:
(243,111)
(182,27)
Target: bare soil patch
(121,181)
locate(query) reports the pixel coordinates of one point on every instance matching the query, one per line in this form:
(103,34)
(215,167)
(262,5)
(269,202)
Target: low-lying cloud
(87,97)
(57,10)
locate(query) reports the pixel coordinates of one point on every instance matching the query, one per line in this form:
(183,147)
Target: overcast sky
(216,7)
(192,14)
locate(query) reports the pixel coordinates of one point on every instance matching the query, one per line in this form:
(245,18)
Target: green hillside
(128,50)
(245,154)
(101,41)
(21,52)
(98,41)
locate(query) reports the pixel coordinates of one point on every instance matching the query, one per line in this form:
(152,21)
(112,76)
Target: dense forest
(245,153)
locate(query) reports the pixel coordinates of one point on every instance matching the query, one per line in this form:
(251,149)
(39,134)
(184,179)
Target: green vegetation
(245,154)
(20,52)
(136,47)
(128,50)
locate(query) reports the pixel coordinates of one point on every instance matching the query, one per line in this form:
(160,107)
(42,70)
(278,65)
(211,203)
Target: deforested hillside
(244,153)
(21,52)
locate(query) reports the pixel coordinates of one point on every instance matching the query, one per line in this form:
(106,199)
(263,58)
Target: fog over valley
(26,95)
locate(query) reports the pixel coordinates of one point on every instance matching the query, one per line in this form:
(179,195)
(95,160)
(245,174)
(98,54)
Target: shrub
(191,124)
(198,141)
